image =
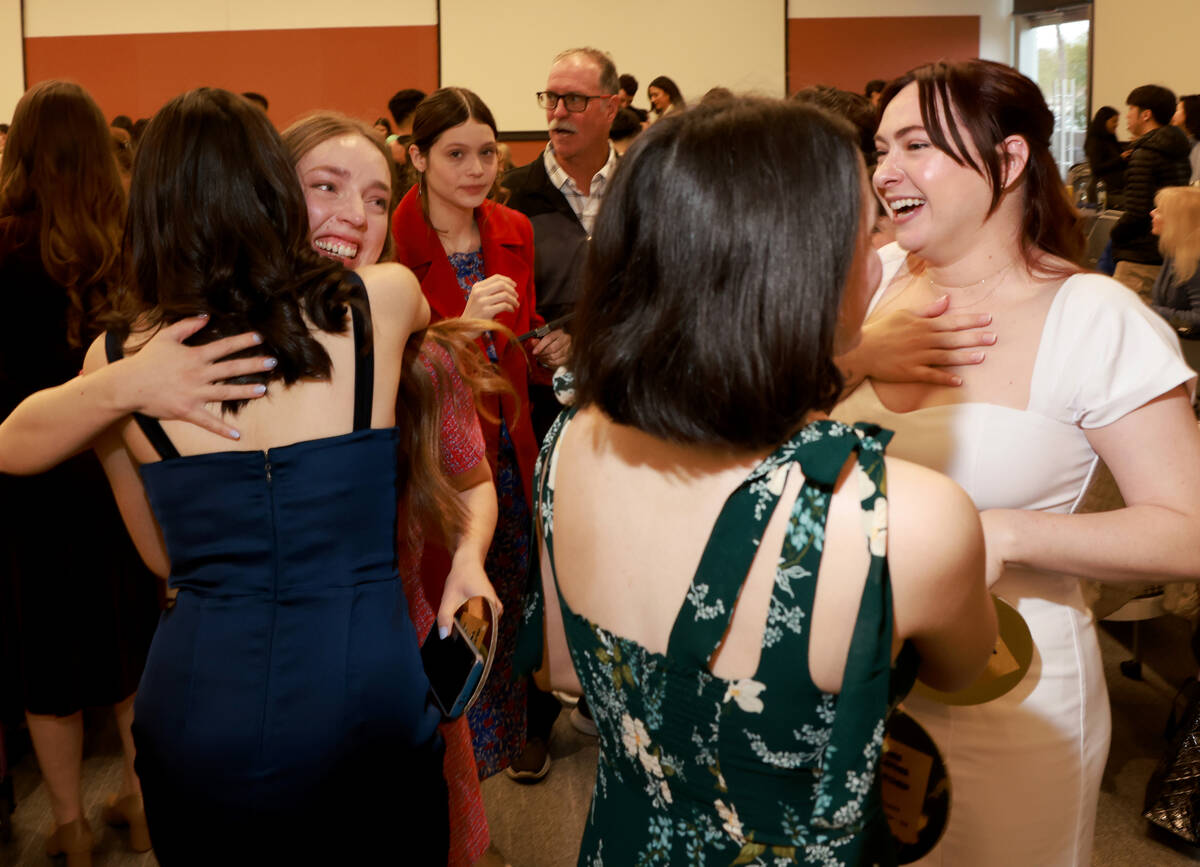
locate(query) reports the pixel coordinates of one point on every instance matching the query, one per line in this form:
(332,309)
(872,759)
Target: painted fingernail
(202,316)
(269,363)
(443,631)
(256,337)
(957,380)
(978,356)
(260,389)
(235,434)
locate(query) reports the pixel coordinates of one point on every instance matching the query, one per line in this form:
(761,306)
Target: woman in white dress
(1079,368)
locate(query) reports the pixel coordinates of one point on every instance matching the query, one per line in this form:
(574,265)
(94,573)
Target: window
(1053,49)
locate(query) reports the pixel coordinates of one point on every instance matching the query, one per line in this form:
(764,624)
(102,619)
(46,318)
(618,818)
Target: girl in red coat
(474,259)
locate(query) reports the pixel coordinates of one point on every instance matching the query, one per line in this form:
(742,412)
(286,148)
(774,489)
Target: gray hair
(609,83)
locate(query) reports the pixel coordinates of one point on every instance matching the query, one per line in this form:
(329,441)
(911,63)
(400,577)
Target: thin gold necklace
(950,290)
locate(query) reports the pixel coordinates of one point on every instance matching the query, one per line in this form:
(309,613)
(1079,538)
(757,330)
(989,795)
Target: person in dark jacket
(1103,153)
(628,93)
(560,192)
(1158,158)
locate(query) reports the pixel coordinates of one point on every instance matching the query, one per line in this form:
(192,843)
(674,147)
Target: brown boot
(129,811)
(74,840)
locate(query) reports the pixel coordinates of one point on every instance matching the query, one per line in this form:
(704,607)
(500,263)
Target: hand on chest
(1005,374)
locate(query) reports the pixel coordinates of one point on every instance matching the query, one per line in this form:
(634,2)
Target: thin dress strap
(364,372)
(863,702)
(150,426)
(364,353)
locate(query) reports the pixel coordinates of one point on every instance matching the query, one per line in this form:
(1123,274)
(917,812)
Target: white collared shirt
(585,207)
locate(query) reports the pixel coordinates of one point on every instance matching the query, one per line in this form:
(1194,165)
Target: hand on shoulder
(167,379)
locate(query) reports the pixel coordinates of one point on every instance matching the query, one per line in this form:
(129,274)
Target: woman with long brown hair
(474,259)
(1081,371)
(85,605)
(344,171)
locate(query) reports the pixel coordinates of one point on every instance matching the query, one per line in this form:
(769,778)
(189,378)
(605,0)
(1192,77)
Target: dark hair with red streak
(989,102)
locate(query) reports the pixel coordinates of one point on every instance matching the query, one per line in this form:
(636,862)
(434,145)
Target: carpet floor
(540,825)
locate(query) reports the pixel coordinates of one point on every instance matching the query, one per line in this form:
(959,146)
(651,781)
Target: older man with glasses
(560,192)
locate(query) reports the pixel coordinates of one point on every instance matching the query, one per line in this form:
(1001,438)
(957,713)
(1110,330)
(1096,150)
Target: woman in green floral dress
(741,699)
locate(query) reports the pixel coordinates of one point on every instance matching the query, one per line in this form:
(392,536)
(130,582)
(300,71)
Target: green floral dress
(766,770)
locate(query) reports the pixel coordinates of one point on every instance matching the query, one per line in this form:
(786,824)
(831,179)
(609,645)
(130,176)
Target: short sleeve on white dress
(1103,354)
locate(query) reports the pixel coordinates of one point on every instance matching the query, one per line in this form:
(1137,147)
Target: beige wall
(1144,42)
(12,74)
(131,54)
(995,42)
(738,44)
(1134,42)
(94,17)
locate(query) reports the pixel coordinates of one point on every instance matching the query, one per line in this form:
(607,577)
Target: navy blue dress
(284,712)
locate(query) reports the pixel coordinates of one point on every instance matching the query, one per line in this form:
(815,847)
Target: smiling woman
(346,180)
(1079,371)
(344,170)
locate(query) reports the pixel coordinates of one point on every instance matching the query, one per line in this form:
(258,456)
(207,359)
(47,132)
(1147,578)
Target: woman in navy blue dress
(284,713)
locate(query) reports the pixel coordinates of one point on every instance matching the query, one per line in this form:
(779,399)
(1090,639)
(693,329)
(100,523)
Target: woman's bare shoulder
(933,526)
(390,282)
(395,297)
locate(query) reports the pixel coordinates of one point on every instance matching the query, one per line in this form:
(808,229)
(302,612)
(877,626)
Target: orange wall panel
(351,69)
(849,52)
(524,151)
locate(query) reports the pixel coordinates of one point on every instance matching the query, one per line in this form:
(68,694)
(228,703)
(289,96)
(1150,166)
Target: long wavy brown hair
(429,357)
(60,189)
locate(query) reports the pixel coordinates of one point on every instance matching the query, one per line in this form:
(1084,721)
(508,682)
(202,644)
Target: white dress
(1025,769)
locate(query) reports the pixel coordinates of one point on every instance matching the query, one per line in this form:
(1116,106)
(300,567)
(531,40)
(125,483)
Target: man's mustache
(562,126)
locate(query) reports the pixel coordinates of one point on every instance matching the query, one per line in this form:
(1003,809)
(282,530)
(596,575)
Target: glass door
(1054,50)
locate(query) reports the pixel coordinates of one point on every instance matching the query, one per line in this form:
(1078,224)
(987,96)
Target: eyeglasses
(575,102)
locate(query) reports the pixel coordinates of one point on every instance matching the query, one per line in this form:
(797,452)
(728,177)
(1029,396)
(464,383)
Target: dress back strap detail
(865,699)
(151,427)
(364,371)
(848,763)
(364,353)
(821,448)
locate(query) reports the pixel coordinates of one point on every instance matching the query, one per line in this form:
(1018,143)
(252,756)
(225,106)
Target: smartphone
(454,667)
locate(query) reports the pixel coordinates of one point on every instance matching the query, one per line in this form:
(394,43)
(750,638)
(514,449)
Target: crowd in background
(318,367)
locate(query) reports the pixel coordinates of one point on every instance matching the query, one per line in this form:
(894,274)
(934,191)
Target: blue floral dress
(498,719)
(766,770)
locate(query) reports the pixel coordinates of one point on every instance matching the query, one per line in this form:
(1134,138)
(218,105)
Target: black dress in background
(1104,158)
(77,606)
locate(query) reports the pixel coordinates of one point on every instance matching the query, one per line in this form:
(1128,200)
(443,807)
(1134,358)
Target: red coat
(506,237)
